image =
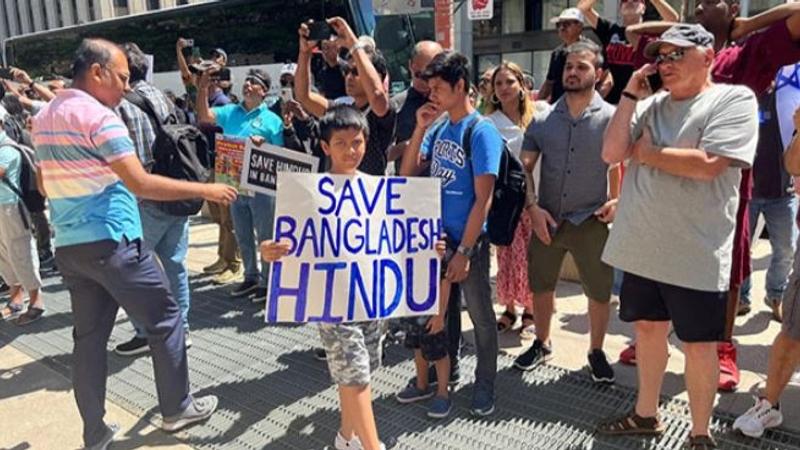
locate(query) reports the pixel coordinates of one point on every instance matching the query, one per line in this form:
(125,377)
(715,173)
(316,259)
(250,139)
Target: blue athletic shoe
(439,408)
(482,402)
(413,394)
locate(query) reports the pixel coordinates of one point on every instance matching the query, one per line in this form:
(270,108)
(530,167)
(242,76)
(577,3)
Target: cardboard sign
(362,248)
(229,156)
(263,163)
(480,9)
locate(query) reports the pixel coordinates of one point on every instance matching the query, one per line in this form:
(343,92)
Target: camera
(202,66)
(320,31)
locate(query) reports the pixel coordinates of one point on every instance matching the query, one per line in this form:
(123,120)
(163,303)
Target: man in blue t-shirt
(249,119)
(467,187)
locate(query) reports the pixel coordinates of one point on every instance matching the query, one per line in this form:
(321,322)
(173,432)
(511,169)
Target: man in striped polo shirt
(91,175)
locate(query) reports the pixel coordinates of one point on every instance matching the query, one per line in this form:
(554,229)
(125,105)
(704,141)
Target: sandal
(31,315)
(506,321)
(528,330)
(11,310)
(631,424)
(701,442)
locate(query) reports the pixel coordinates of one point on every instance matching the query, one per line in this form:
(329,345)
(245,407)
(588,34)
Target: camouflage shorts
(353,350)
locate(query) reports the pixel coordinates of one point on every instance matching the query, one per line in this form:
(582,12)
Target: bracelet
(630,96)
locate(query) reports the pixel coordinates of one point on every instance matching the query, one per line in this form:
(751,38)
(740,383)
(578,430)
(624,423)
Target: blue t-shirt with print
(260,121)
(443,147)
(10,162)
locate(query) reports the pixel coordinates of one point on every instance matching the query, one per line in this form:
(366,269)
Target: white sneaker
(758,418)
(795,379)
(341,443)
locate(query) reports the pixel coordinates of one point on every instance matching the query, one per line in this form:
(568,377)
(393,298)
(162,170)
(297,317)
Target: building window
(121,8)
(92,15)
(152,5)
(183,2)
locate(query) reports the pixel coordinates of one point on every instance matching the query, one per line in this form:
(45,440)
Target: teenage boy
(467,187)
(364,81)
(353,349)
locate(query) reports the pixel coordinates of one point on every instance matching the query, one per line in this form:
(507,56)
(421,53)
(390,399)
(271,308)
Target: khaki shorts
(585,242)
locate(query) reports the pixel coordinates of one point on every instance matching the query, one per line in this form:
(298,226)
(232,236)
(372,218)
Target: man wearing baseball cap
(673,234)
(570,26)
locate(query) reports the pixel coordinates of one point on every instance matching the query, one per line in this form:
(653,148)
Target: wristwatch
(469,252)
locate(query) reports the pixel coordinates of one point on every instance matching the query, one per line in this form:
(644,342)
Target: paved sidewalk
(275,396)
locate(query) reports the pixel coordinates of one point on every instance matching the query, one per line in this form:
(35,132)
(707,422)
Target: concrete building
(27,16)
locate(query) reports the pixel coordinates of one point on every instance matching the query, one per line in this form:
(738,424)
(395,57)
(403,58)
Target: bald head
(422,55)
(93,51)
(101,69)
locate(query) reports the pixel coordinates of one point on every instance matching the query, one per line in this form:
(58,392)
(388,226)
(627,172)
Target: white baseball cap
(569,14)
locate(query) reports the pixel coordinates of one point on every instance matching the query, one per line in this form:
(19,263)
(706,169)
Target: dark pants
(101,277)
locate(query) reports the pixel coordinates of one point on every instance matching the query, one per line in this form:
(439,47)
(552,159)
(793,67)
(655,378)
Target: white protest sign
(362,248)
(262,164)
(480,9)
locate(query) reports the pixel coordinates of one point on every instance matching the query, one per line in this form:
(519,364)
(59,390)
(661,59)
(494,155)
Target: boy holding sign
(353,349)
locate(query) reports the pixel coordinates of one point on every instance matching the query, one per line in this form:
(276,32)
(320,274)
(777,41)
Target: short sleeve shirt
(260,121)
(381,133)
(674,229)
(574,177)
(10,160)
(77,139)
(443,146)
(405,106)
(619,56)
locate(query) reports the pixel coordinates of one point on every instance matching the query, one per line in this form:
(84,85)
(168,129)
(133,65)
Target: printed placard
(263,163)
(362,248)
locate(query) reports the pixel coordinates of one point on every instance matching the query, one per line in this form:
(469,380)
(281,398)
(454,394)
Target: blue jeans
(253,215)
(779,214)
(168,237)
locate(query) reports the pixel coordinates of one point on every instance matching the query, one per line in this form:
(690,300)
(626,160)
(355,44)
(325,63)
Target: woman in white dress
(511,109)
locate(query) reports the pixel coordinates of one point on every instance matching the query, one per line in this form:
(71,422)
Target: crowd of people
(649,158)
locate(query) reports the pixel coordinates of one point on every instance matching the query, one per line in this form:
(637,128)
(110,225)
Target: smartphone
(320,31)
(655,82)
(5,73)
(287,95)
(189,42)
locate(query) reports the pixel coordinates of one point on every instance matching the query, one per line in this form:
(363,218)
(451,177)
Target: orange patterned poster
(229,156)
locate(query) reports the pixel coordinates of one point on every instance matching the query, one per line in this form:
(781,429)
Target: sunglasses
(673,56)
(351,71)
(255,80)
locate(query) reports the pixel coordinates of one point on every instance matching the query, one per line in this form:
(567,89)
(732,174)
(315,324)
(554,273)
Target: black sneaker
(46,258)
(599,367)
(260,295)
(537,354)
(320,355)
(245,288)
(135,346)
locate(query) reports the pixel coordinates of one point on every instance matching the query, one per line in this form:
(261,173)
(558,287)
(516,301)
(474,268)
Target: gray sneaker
(200,409)
(108,438)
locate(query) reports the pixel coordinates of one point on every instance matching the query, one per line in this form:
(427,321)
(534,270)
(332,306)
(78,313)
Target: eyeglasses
(417,74)
(352,70)
(673,56)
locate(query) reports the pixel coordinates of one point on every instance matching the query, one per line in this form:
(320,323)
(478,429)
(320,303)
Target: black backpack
(28,192)
(180,152)
(508,200)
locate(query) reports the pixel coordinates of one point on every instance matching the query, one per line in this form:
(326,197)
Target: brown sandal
(631,424)
(506,321)
(701,442)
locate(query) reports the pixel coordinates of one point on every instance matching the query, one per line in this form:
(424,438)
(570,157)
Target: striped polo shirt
(76,139)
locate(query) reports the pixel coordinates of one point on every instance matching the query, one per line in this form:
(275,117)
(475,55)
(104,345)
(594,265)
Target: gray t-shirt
(677,230)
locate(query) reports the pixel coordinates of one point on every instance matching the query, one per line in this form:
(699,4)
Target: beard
(578,86)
